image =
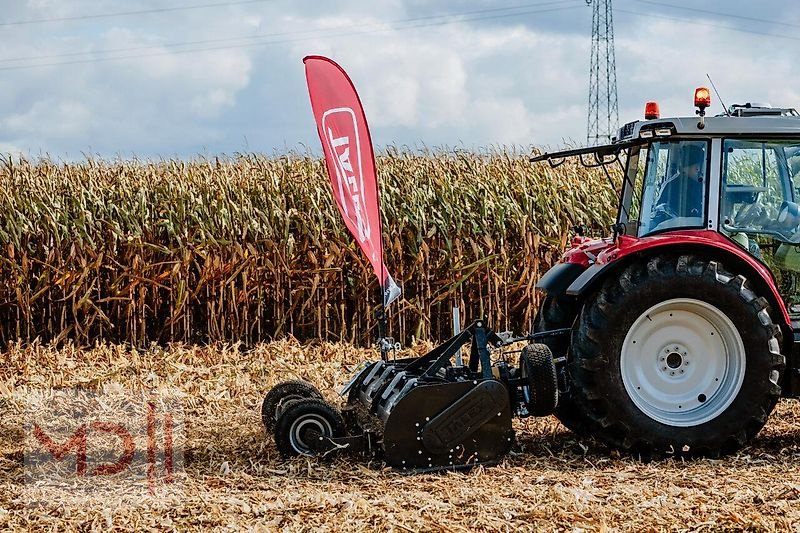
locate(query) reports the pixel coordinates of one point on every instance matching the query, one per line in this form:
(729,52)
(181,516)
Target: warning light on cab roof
(702,98)
(651,111)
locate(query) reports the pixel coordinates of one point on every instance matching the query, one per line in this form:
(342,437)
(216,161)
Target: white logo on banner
(349,179)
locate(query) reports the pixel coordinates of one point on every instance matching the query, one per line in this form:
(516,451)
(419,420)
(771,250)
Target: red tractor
(684,323)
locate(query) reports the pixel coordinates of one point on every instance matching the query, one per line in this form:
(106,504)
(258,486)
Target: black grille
(626,130)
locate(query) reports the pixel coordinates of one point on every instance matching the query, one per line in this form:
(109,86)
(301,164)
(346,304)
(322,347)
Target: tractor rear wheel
(676,355)
(556,313)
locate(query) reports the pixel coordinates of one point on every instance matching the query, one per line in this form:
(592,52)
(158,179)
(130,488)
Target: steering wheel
(662,213)
(748,215)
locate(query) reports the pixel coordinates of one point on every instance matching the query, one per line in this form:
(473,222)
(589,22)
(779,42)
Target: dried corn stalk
(251,247)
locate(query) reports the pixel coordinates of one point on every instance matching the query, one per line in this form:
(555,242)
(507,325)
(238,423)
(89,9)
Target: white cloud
(453,84)
(11,149)
(745,67)
(519,80)
(505,120)
(152,102)
(63,119)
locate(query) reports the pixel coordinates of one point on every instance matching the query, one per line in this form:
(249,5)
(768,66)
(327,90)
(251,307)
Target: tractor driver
(682,194)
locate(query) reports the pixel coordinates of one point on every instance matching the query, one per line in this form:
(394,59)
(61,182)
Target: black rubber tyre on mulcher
(537,371)
(280,394)
(676,355)
(292,429)
(555,313)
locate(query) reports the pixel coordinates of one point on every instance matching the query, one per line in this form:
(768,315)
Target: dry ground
(234,478)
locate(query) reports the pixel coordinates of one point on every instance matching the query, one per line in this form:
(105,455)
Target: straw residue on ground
(235,479)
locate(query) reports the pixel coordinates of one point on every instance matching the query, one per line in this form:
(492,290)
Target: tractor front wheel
(676,355)
(556,313)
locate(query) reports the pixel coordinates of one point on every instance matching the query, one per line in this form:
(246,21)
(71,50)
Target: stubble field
(233,477)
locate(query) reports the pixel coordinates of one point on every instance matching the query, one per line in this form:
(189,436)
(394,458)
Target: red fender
(626,246)
(584,251)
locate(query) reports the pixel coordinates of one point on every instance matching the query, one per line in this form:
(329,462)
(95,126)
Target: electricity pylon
(603,109)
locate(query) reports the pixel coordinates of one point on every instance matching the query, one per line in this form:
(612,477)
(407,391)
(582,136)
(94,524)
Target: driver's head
(692,161)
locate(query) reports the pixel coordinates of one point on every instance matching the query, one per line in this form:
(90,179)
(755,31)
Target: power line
(130,13)
(707,24)
(282,34)
(720,14)
(444,22)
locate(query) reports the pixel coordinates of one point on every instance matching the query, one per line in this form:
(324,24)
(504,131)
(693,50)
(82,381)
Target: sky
(196,78)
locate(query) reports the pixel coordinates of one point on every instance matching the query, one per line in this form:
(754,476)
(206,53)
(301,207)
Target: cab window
(673,194)
(758,191)
(758,209)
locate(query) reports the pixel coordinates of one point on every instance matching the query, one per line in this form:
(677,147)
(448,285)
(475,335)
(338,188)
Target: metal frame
(603,151)
(714,184)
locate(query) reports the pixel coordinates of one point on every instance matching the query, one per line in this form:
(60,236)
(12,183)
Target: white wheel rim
(297,432)
(682,362)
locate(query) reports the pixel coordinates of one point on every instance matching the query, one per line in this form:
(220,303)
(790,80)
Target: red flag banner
(346,143)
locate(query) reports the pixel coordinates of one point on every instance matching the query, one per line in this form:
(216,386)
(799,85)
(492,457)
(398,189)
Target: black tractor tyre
(649,287)
(538,373)
(280,394)
(292,429)
(556,313)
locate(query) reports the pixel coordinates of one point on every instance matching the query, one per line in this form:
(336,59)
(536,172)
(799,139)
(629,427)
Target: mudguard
(586,279)
(690,241)
(559,277)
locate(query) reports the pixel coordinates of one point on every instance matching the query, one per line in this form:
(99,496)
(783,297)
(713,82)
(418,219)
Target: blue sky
(471,73)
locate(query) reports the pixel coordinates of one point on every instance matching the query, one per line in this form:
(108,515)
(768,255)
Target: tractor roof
(714,126)
(743,120)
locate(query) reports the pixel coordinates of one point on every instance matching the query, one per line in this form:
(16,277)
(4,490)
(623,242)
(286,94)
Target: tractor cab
(734,174)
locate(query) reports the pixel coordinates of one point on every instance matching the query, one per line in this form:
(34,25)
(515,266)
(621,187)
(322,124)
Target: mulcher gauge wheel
(305,421)
(278,397)
(540,384)
(284,405)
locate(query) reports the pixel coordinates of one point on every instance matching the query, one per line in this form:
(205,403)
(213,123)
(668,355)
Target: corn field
(249,247)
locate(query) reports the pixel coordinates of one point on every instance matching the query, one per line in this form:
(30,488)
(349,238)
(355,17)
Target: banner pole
(382,320)
(383,344)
